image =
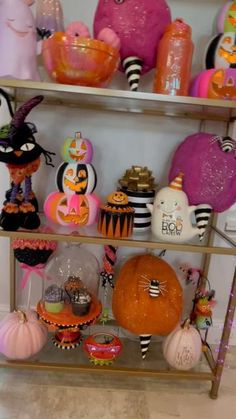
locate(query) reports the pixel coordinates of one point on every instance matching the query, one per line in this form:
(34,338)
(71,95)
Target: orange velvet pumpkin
(147,298)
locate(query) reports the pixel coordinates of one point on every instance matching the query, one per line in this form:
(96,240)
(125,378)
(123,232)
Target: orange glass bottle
(174,60)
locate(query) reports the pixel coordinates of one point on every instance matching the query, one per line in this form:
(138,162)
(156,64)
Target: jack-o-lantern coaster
(147,298)
(116,218)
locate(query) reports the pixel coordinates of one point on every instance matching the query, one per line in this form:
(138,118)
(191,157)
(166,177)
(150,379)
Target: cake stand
(66,325)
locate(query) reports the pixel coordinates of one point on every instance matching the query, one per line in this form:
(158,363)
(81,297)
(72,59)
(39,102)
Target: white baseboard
(214,335)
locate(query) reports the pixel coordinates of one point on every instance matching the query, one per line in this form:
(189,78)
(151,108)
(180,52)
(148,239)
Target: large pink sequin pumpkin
(22,335)
(209,172)
(138,23)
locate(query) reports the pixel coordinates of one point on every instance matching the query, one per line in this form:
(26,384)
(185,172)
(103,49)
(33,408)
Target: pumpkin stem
(22,316)
(186,324)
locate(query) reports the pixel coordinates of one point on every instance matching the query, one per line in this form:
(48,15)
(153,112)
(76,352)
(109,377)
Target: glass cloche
(71,275)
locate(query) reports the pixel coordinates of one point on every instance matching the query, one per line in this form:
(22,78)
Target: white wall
(121,140)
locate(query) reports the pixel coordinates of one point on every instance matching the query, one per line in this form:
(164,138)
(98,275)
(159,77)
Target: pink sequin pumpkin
(138,23)
(209,172)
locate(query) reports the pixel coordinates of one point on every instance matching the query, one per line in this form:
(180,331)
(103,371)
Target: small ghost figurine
(18,41)
(172,215)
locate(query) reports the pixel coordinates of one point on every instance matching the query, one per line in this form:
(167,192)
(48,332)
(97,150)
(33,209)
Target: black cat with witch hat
(21,154)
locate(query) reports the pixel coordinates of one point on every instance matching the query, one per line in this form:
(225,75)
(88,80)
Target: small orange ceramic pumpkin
(118,198)
(147,298)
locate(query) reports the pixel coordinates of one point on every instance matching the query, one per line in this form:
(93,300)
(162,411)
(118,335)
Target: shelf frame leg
(12,277)
(229,317)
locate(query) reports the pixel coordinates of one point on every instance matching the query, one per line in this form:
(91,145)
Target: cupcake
(80,302)
(73,284)
(54,299)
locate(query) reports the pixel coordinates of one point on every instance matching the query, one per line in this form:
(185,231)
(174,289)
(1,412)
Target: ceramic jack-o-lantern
(116,217)
(221,51)
(171,214)
(73,178)
(226,21)
(74,204)
(72,210)
(77,149)
(215,84)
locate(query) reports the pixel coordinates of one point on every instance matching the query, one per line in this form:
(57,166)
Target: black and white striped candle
(138,200)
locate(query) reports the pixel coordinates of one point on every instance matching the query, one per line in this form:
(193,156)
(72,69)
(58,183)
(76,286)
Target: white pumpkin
(22,335)
(182,349)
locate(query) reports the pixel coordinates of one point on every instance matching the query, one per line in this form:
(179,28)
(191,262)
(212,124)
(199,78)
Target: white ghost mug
(173,219)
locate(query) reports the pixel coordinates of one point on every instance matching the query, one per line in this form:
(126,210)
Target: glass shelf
(124,101)
(144,240)
(128,363)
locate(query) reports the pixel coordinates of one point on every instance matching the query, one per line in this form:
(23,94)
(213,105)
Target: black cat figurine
(21,154)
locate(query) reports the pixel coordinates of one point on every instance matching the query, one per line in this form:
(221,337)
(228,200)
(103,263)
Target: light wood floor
(34,395)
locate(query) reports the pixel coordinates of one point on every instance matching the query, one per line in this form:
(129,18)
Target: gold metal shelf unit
(124,101)
(134,103)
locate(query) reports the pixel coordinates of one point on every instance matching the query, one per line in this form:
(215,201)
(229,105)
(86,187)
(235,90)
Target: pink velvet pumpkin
(209,172)
(22,335)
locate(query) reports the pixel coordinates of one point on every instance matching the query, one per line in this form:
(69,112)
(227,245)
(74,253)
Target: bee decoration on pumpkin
(154,287)
(21,154)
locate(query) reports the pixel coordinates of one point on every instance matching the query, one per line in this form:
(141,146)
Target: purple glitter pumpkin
(209,169)
(138,23)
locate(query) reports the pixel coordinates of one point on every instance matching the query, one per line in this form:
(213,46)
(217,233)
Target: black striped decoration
(65,346)
(227,144)
(154,288)
(133,69)
(144,343)
(202,215)
(138,200)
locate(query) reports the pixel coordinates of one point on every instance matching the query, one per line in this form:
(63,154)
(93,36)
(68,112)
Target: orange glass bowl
(82,61)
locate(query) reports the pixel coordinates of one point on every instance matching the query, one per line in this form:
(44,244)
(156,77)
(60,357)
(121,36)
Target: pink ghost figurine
(139,24)
(18,43)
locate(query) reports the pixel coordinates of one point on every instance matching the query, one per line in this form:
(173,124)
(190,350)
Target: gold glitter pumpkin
(147,298)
